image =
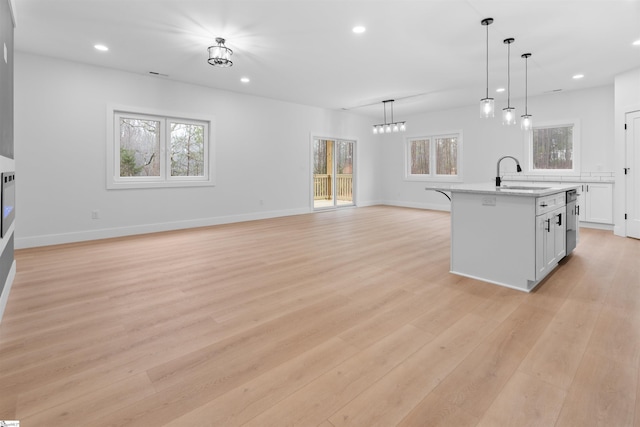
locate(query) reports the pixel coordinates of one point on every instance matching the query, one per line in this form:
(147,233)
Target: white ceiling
(427,54)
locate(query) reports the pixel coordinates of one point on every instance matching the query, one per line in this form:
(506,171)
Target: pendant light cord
(509,75)
(487,62)
(526,84)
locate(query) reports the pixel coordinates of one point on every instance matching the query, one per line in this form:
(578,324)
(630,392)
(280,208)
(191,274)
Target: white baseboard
(430,206)
(107,233)
(596,225)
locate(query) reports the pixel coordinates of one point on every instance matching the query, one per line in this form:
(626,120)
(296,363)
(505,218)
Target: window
(554,148)
(434,157)
(153,150)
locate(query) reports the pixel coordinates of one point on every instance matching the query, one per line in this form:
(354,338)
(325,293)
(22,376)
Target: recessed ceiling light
(101,47)
(500,89)
(245,79)
(636,43)
(578,76)
(359,29)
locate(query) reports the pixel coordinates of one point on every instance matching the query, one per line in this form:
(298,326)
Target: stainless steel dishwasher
(573,210)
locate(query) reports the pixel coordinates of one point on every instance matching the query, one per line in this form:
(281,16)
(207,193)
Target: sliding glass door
(333,169)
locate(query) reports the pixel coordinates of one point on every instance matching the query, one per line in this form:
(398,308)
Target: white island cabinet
(510,236)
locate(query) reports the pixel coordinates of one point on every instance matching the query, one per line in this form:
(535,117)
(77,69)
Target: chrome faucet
(518,169)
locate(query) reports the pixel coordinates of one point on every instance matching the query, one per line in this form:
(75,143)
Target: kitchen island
(513,235)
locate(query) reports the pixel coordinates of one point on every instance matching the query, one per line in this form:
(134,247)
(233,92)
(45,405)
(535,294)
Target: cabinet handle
(577,209)
(587,188)
(543,205)
(559,219)
(548,221)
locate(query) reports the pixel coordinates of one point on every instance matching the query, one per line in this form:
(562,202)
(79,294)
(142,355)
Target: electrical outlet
(95,214)
(488,201)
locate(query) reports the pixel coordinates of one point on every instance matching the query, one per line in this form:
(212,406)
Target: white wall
(262,147)
(262,153)
(627,99)
(485,141)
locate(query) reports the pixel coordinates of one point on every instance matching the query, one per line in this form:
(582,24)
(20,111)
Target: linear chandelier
(391,126)
(220,55)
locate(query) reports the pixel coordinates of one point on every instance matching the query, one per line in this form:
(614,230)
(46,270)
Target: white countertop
(508,189)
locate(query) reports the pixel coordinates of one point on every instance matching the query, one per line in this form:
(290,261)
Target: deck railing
(322,186)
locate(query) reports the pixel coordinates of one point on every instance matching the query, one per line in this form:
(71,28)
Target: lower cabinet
(551,229)
(596,203)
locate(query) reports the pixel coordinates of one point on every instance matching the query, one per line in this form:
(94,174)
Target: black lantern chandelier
(220,55)
(391,126)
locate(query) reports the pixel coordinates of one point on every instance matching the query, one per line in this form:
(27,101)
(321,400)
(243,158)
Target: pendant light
(509,113)
(526,124)
(391,126)
(487,106)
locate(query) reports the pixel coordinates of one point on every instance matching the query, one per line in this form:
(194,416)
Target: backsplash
(583,177)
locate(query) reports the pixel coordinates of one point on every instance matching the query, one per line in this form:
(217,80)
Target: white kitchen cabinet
(598,203)
(551,229)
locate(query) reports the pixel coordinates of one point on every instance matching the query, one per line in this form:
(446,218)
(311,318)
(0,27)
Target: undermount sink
(522,187)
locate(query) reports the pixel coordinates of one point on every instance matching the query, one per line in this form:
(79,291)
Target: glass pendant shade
(375,129)
(403,127)
(509,116)
(526,123)
(487,108)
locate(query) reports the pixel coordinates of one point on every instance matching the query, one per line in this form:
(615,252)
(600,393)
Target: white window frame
(165,180)
(432,158)
(575,171)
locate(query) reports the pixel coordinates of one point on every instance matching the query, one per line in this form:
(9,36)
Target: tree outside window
(435,157)
(150,150)
(552,148)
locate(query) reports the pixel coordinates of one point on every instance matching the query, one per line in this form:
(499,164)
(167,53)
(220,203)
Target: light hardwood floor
(340,318)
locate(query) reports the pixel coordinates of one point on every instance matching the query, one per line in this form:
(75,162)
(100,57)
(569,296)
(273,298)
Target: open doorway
(333,173)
